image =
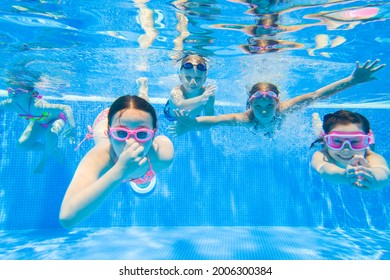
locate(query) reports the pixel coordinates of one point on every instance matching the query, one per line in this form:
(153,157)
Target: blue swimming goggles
(189,65)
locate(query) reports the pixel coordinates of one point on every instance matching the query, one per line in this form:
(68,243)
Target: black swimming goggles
(189,65)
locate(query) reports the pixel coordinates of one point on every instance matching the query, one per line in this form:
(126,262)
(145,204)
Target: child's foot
(316,124)
(143,88)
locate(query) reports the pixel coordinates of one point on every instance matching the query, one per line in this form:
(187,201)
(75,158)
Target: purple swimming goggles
(357,140)
(17,91)
(268,93)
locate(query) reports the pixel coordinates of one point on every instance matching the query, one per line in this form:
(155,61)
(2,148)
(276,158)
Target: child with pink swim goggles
(346,156)
(45,120)
(265,111)
(126,150)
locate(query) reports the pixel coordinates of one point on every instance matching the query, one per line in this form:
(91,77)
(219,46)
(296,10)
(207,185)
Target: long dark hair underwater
(131,101)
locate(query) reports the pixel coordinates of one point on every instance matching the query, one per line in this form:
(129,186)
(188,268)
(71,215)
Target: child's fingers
(359,160)
(143,161)
(139,151)
(176,112)
(366,64)
(72,140)
(360,186)
(133,156)
(133,148)
(378,68)
(129,143)
(364,163)
(213,87)
(354,161)
(373,64)
(357,64)
(172,130)
(359,168)
(350,174)
(363,184)
(365,173)
(181,113)
(354,181)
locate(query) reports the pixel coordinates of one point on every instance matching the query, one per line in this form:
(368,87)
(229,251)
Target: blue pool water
(229,194)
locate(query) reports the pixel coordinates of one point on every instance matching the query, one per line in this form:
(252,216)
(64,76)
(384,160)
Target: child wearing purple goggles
(346,156)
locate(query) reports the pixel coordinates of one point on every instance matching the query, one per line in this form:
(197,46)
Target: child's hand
(359,172)
(363,73)
(359,160)
(315,116)
(365,177)
(183,124)
(208,93)
(183,117)
(316,125)
(133,160)
(177,129)
(70,133)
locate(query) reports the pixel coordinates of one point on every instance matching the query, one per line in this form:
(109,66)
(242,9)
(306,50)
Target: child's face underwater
(264,108)
(192,78)
(131,119)
(344,155)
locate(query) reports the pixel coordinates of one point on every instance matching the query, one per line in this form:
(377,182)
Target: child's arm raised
(361,74)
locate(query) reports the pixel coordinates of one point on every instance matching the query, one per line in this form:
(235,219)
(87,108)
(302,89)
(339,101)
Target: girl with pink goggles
(122,134)
(357,140)
(259,94)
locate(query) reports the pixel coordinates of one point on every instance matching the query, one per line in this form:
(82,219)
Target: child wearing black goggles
(191,94)
(189,65)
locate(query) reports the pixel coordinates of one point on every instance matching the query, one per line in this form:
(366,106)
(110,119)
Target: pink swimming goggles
(17,90)
(121,134)
(357,140)
(23,91)
(259,94)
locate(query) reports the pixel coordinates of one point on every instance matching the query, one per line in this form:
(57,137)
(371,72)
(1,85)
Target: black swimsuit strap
(29,106)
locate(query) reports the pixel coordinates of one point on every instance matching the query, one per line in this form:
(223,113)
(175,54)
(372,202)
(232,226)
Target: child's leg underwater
(51,145)
(28,139)
(143,89)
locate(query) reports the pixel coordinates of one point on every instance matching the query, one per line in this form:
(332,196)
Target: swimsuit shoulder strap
(28,112)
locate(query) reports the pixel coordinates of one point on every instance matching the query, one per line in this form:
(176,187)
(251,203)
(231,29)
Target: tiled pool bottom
(196,243)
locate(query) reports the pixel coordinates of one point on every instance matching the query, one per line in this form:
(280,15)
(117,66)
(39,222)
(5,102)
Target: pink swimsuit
(146,178)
